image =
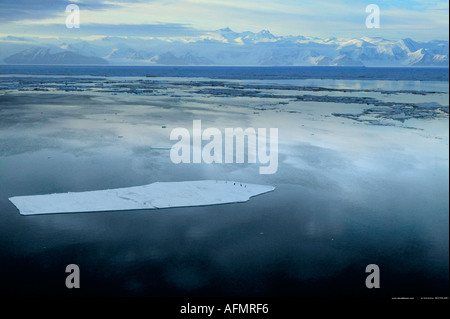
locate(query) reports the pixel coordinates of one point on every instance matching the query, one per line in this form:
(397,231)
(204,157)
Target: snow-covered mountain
(226,47)
(43,55)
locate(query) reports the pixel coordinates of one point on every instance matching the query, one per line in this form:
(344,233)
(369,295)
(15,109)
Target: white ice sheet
(153,196)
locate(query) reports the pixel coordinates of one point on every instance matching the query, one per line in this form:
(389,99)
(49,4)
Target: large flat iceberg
(153,196)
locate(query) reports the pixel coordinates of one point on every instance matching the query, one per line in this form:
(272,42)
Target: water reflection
(347,195)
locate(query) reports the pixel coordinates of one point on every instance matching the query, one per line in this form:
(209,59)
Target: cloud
(420,19)
(17,10)
(114,30)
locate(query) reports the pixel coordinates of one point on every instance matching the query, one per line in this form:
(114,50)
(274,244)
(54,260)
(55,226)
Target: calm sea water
(348,195)
(245,73)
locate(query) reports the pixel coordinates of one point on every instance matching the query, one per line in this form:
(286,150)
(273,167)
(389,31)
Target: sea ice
(153,196)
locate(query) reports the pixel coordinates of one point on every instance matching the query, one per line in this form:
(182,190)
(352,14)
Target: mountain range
(225,47)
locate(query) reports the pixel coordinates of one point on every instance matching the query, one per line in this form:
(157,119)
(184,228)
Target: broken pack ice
(153,196)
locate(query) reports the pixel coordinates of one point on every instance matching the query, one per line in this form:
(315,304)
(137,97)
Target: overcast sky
(418,19)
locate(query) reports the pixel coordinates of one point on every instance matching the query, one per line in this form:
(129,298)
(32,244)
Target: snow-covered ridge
(226,47)
(153,196)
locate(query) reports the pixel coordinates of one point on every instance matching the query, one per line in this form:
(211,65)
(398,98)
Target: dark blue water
(306,239)
(244,73)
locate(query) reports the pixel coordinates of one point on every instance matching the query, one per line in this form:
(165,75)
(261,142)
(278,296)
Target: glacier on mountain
(225,47)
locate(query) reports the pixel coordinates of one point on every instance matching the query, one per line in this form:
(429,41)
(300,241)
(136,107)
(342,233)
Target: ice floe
(153,196)
(379,109)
